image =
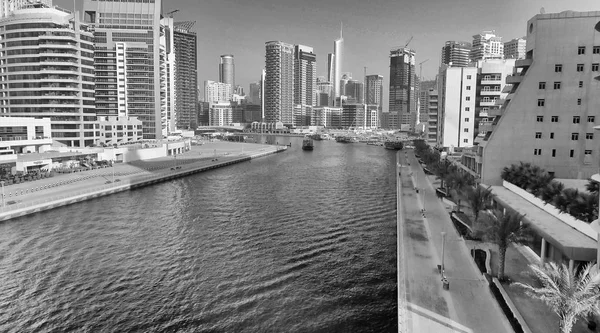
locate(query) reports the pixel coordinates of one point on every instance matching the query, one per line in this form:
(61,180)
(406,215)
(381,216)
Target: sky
(371,29)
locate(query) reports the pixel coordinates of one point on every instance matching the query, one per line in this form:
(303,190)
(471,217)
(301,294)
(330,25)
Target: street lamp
(443,250)
(3,199)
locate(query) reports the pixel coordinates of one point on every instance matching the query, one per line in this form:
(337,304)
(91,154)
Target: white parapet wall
(581,226)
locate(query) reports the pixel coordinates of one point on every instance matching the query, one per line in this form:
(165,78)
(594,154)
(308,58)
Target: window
(467,108)
(554,119)
(588,152)
(591,119)
(552,135)
(538,135)
(589,136)
(557,68)
(572,153)
(596,50)
(541,102)
(576,120)
(468,87)
(466,140)
(553,152)
(556,85)
(579,101)
(466,130)
(468,77)
(574,136)
(466,120)
(540,119)
(468,98)
(537,152)
(595,67)
(581,50)
(580,67)
(542,85)
(580,84)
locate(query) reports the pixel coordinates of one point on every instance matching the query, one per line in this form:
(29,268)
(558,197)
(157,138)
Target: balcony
(488,102)
(523,63)
(490,92)
(514,79)
(494,112)
(490,81)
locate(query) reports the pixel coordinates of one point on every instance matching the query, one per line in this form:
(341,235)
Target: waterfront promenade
(62,189)
(424,305)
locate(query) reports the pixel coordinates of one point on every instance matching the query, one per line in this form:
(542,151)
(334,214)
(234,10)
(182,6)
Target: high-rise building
(47,71)
(402,101)
(456,54)
(374,90)
(186,74)
(279,83)
(457,115)
(263,75)
(305,75)
(217,92)
(7,6)
(227,70)
(330,67)
(487,45)
(549,116)
(433,121)
(131,61)
(515,48)
(324,93)
(220,114)
(338,51)
(354,91)
(254,93)
(167,75)
(425,87)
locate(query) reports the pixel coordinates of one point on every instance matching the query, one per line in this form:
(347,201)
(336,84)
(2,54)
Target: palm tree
(592,186)
(457,184)
(479,199)
(570,295)
(585,207)
(504,229)
(551,191)
(565,200)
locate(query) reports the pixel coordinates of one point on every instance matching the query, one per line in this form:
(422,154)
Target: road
(468,301)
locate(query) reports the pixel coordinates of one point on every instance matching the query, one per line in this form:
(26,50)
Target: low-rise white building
(24,135)
(119,130)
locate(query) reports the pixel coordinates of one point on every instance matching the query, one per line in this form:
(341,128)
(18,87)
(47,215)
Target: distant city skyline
(371,29)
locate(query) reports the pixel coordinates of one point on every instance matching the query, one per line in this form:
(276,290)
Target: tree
(504,229)
(479,199)
(568,294)
(457,184)
(551,191)
(592,186)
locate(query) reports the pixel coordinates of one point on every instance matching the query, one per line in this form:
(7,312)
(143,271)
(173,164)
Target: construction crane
(421,69)
(170,14)
(409,40)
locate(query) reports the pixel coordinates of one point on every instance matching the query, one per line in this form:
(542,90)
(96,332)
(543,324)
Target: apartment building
(458,87)
(549,116)
(216,92)
(279,83)
(515,48)
(487,45)
(456,54)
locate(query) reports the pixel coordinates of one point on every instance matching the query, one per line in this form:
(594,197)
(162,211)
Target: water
(295,242)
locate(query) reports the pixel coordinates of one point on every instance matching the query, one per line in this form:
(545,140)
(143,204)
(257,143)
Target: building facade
(458,89)
(227,70)
(279,83)
(353,91)
(254,94)
(21,135)
(433,121)
(402,101)
(119,130)
(456,54)
(220,114)
(328,117)
(305,77)
(186,75)
(338,52)
(132,74)
(515,48)
(374,90)
(217,92)
(47,71)
(7,6)
(487,45)
(549,115)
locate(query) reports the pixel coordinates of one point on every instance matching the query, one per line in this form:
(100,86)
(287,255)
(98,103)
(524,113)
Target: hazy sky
(371,28)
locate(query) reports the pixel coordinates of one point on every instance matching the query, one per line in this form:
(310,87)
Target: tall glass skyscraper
(132,74)
(227,70)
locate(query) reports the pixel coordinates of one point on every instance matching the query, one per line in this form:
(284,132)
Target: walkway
(468,301)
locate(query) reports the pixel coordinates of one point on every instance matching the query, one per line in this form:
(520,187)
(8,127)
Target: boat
(343,139)
(307,144)
(394,145)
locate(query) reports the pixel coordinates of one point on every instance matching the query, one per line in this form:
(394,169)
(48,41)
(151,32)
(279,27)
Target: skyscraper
(131,69)
(515,48)
(217,92)
(338,50)
(487,45)
(305,82)
(186,77)
(50,75)
(456,54)
(402,101)
(254,93)
(227,70)
(330,67)
(374,90)
(458,88)
(354,91)
(279,82)
(7,6)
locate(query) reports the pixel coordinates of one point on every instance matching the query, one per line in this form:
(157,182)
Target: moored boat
(394,145)
(307,144)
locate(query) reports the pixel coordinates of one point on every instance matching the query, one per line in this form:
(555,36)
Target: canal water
(294,242)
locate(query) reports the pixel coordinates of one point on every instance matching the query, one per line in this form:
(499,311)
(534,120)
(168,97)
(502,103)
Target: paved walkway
(62,185)
(468,301)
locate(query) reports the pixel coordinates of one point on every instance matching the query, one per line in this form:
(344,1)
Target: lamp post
(443,250)
(3,199)
(113,171)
